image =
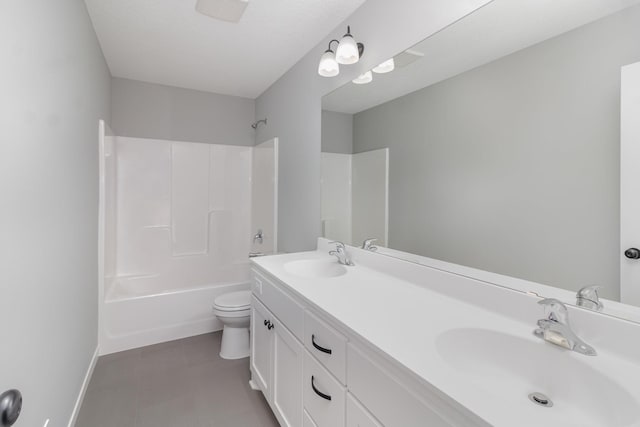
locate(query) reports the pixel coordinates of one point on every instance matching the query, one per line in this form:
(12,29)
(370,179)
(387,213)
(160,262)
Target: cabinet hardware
(318,392)
(322,349)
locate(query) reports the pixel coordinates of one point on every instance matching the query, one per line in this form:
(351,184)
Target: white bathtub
(133,316)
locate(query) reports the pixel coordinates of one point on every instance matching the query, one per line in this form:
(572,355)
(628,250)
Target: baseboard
(83,389)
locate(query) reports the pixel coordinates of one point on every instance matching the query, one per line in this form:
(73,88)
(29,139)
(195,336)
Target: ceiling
(168,42)
(496,30)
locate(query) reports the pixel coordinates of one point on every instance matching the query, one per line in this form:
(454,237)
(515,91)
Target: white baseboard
(83,389)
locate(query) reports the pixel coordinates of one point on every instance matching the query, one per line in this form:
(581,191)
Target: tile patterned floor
(181,383)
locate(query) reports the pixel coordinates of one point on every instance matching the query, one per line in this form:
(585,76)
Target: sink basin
(505,369)
(315,268)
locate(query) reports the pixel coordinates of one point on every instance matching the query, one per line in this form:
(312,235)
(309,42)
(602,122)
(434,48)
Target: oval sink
(507,369)
(313,268)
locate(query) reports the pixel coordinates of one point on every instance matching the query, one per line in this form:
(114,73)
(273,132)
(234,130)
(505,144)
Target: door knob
(10,407)
(632,253)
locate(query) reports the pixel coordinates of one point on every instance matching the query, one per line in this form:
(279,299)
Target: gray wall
(148,110)
(514,167)
(293,103)
(337,132)
(55,86)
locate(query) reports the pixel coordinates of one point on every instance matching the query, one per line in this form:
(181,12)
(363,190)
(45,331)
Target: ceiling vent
(407,57)
(225,10)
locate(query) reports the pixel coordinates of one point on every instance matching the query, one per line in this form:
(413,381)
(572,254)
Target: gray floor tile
(182,383)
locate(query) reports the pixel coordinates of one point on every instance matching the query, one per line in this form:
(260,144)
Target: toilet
(234,311)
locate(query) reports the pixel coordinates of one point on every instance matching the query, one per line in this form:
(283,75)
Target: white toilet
(234,311)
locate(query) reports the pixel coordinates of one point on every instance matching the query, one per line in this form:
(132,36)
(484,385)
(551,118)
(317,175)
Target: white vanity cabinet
(276,365)
(314,373)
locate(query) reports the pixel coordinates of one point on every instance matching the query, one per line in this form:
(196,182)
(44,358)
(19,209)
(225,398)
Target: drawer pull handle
(318,392)
(322,349)
(265,322)
(271,326)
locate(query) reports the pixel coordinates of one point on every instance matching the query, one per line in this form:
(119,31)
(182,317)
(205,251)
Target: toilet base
(235,343)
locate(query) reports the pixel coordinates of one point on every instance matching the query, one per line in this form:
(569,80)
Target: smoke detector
(225,10)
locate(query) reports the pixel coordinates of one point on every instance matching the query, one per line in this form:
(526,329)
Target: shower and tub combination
(177,223)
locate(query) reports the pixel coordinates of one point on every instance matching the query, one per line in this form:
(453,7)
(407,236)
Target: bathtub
(145,310)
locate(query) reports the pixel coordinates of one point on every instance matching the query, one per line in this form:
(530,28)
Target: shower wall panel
(183,214)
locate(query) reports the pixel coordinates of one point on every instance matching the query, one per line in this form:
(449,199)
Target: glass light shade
(363,78)
(347,52)
(328,66)
(386,67)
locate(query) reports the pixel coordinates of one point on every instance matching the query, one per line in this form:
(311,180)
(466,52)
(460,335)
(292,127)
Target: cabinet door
(261,347)
(358,416)
(288,354)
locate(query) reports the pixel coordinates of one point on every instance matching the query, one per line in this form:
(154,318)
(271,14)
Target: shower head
(255,125)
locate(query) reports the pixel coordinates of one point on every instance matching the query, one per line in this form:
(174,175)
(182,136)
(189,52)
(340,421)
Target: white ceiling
(496,30)
(168,42)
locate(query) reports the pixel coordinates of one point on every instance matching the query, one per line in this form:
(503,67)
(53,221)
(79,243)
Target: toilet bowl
(234,311)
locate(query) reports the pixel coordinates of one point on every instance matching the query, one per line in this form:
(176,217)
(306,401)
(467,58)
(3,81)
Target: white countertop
(407,315)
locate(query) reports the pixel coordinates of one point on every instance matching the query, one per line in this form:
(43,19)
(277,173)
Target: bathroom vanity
(393,343)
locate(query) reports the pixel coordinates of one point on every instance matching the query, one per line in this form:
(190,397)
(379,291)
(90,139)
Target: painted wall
(337,132)
(293,103)
(55,85)
(264,187)
(148,110)
(514,167)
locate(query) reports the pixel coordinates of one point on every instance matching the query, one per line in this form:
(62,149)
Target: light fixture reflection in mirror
(363,79)
(386,67)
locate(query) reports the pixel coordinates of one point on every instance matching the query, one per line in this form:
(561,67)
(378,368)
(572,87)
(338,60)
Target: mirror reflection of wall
(355,187)
(505,160)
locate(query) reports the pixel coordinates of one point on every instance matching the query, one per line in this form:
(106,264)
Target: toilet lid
(234,300)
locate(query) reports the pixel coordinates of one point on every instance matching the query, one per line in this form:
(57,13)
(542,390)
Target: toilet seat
(233,302)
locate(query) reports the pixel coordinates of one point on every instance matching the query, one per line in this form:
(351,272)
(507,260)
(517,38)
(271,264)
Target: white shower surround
(174,217)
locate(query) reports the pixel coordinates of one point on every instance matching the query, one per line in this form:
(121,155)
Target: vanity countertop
(470,340)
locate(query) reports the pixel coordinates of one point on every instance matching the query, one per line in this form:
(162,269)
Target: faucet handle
(339,245)
(555,310)
(368,244)
(588,297)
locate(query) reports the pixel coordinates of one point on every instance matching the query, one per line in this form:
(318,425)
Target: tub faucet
(258,236)
(555,328)
(368,245)
(341,253)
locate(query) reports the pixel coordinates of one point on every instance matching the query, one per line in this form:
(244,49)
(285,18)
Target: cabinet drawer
(327,345)
(358,416)
(323,395)
(281,304)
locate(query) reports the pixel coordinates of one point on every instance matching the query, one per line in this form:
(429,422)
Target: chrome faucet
(556,330)
(368,245)
(587,297)
(341,253)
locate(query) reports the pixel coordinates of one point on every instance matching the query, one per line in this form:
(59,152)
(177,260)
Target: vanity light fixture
(328,66)
(386,67)
(363,79)
(349,52)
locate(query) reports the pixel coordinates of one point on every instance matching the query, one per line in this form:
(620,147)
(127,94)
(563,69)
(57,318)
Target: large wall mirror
(494,144)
